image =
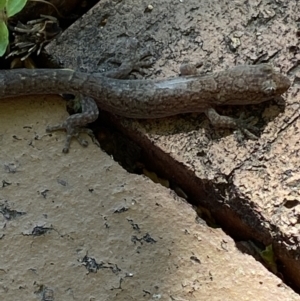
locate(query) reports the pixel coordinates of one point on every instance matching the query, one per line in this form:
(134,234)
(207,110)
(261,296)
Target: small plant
(8,8)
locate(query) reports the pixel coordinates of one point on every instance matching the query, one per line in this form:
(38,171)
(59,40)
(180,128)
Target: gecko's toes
(65,150)
(82,142)
(56,127)
(243,132)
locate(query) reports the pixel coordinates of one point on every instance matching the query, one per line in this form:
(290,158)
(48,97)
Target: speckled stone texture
(78,227)
(251,187)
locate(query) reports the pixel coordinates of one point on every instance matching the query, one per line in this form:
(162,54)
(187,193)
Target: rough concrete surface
(78,227)
(251,187)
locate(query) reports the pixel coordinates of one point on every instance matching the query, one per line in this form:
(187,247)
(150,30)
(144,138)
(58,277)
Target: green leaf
(269,258)
(2,4)
(268,254)
(14,6)
(3,37)
(3,16)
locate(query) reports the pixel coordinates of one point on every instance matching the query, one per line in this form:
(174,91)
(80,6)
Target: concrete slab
(78,226)
(250,187)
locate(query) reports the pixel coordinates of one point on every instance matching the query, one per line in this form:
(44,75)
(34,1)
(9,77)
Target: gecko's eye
(270,90)
(269,87)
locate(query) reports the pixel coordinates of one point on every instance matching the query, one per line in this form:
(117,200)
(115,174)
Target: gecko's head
(277,83)
(255,84)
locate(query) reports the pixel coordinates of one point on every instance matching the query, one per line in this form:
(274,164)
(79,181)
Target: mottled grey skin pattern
(240,85)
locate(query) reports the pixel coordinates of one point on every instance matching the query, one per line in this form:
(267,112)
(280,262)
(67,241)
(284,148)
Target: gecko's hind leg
(75,124)
(131,58)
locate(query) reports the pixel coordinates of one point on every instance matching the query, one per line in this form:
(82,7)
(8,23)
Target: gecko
(148,99)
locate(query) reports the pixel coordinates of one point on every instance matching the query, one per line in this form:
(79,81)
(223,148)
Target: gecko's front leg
(242,124)
(75,124)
